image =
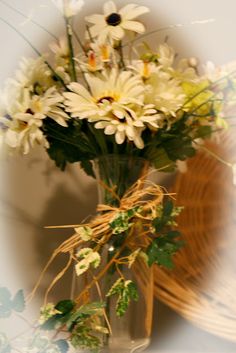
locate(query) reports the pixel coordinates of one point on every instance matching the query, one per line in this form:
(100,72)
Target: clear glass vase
(131,332)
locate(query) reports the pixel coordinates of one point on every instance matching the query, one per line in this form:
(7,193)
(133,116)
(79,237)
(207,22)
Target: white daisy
(165,93)
(34,74)
(131,128)
(61,50)
(24,136)
(115,104)
(144,68)
(166,56)
(113,23)
(69,8)
(110,93)
(23,121)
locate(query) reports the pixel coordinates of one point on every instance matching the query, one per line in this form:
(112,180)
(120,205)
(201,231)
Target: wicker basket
(202,287)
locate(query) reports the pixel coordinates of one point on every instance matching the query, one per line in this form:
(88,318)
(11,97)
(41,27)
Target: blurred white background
(33,193)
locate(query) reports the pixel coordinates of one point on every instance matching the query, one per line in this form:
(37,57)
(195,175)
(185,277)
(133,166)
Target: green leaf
(126,291)
(85,341)
(203,132)
(87,167)
(18,302)
(85,311)
(179,148)
(92,308)
(67,144)
(5,303)
(116,288)
(121,222)
(62,345)
(162,249)
(168,208)
(159,256)
(65,306)
(159,158)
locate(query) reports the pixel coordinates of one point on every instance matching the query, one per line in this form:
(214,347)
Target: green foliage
(166,214)
(162,249)
(167,242)
(126,291)
(63,345)
(69,144)
(79,322)
(179,148)
(84,312)
(121,222)
(57,320)
(9,304)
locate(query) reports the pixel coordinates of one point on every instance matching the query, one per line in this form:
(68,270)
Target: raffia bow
(143,194)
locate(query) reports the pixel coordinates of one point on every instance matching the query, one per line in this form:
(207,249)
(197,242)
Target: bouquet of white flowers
(112,94)
(101,95)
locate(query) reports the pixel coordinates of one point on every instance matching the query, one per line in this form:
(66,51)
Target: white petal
(116,32)
(11,138)
(139,142)
(96,19)
(120,137)
(109,8)
(100,125)
(133,26)
(131,11)
(110,130)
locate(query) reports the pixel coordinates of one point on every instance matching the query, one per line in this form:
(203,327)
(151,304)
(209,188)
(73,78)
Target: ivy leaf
(126,291)
(92,308)
(5,303)
(168,209)
(18,302)
(83,312)
(62,345)
(85,340)
(159,256)
(162,249)
(160,222)
(65,306)
(121,221)
(177,148)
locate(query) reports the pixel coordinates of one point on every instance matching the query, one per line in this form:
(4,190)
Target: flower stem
(69,33)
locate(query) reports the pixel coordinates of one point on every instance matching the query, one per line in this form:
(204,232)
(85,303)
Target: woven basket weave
(202,287)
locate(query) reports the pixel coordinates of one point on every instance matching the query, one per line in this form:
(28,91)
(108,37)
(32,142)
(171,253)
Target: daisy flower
(34,75)
(110,93)
(113,23)
(69,8)
(61,50)
(115,104)
(23,122)
(165,93)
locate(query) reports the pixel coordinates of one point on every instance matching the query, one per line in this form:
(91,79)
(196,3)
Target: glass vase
(131,332)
